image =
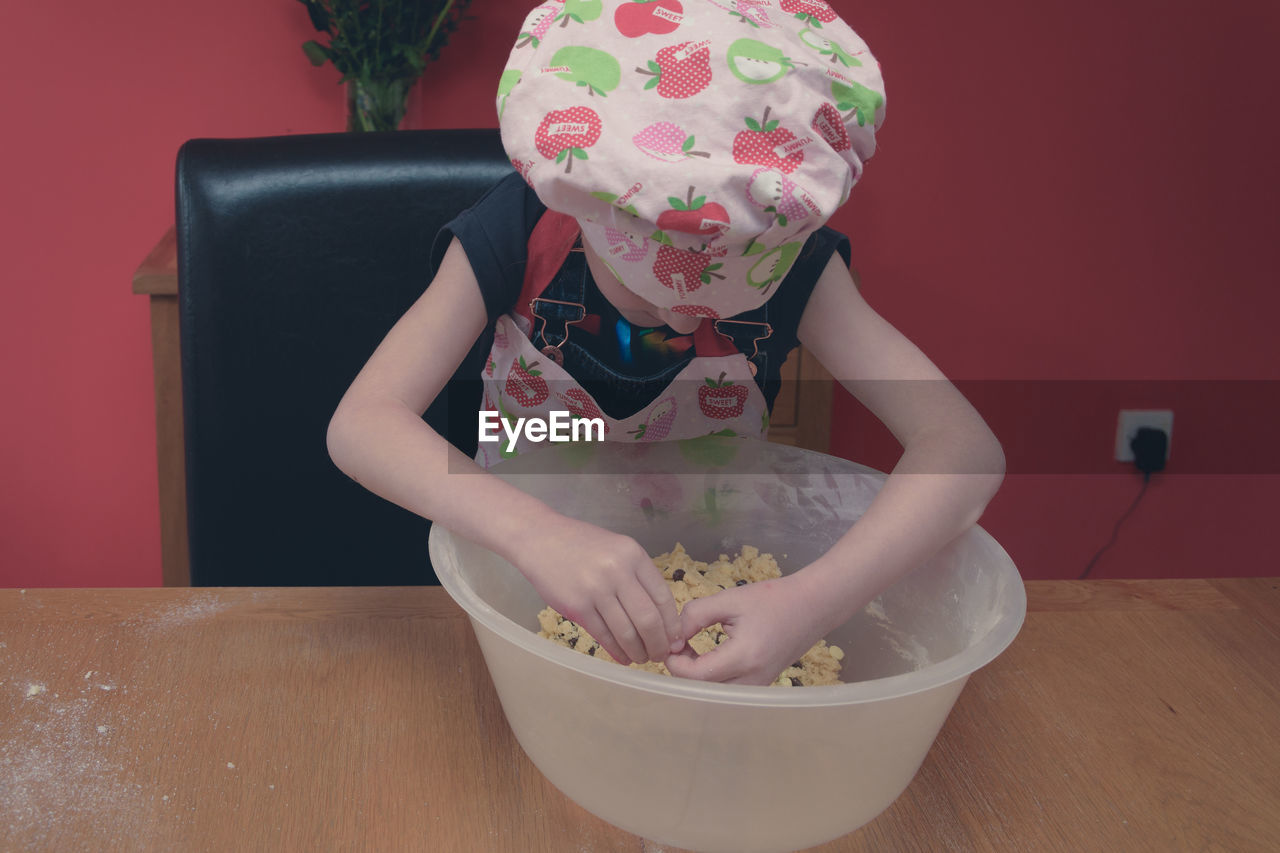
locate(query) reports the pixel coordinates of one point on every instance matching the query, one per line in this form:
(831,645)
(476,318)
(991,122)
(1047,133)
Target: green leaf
(655,67)
(580,154)
(782,220)
(713,267)
(563,154)
(688,144)
(652,84)
(676,203)
(753,124)
(315,52)
(698,202)
(711,382)
(773,125)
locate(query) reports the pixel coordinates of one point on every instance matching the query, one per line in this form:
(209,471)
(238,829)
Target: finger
(599,631)
(660,594)
(703,613)
(624,633)
(719,664)
(647,620)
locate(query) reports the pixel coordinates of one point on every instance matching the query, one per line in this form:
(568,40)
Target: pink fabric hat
(697,142)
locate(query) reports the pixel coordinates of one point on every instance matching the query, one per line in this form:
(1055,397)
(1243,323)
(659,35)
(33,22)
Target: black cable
(1146,479)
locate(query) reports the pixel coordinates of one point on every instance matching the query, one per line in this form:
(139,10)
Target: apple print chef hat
(697,142)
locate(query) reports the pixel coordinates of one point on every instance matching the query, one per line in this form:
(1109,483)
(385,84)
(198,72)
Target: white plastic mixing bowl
(717,767)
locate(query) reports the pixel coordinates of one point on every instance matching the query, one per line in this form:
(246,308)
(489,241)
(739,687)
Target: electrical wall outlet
(1132,420)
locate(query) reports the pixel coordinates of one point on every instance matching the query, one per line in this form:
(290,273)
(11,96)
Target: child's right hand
(606,583)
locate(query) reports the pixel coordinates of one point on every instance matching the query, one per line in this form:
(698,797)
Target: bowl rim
(442,545)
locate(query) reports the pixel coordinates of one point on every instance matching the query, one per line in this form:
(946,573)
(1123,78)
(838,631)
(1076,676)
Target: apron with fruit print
(714,393)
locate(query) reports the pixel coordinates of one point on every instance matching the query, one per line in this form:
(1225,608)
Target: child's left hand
(766,627)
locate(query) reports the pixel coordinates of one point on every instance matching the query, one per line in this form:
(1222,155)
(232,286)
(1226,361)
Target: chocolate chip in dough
(798,665)
(592,651)
(740,583)
(573,642)
(795,682)
(677,575)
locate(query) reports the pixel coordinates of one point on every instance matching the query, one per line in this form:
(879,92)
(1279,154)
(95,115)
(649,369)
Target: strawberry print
(828,124)
(525,385)
(537,24)
(694,216)
(564,134)
(747,11)
(666,142)
(764,143)
(580,405)
(722,399)
(626,246)
(680,71)
(684,271)
(778,194)
(813,13)
(657,426)
(642,17)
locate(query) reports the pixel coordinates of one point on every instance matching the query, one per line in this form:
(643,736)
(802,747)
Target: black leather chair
(296,254)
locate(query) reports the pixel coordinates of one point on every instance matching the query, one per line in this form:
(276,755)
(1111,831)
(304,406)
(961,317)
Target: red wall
(1063,192)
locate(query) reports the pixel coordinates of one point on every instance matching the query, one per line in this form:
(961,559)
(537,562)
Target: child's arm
(950,468)
(603,581)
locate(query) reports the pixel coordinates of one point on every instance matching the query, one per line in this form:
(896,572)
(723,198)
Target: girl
(659,252)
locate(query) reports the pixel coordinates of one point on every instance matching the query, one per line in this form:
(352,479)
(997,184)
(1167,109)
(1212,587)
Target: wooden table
(1139,715)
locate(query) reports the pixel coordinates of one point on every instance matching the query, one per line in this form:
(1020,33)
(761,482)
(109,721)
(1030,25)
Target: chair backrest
(295,256)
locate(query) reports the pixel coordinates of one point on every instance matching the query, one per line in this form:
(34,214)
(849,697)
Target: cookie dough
(690,579)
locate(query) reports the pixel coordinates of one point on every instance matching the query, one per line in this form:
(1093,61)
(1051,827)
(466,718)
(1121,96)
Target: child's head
(697,142)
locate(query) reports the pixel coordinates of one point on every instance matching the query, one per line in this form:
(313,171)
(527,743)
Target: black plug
(1150,450)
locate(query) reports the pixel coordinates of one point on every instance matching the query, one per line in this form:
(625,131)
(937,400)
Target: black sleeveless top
(622,365)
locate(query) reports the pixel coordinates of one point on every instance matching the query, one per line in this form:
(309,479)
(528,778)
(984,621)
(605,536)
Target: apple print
(826,47)
(828,124)
(694,216)
(754,61)
(666,142)
(657,425)
(680,71)
(722,399)
(774,266)
(564,134)
(777,194)
(759,145)
(580,405)
(523,168)
(684,271)
(595,69)
(815,13)
(580,11)
(506,83)
(642,17)
(857,99)
(525,384)
(538,22)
